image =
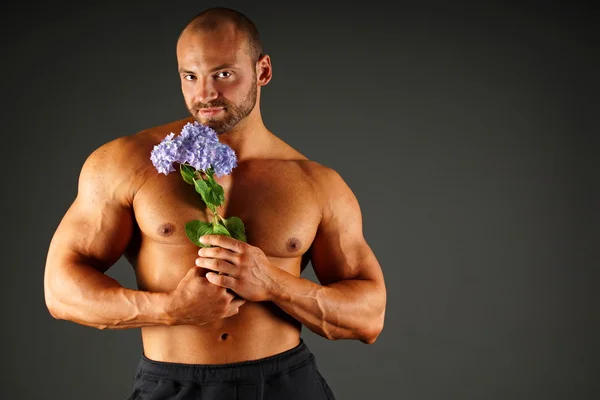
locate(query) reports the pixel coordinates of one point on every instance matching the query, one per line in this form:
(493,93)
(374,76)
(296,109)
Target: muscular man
(223,321)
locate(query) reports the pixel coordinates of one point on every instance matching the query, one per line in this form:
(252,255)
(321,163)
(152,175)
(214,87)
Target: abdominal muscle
(252,334)
(259,330)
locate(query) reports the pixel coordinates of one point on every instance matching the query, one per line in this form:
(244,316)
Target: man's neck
(249,139)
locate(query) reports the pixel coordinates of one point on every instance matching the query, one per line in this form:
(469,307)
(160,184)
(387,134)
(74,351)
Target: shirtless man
(236,334)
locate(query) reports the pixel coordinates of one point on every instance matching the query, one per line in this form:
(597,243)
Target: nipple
(166,229)
(293,244)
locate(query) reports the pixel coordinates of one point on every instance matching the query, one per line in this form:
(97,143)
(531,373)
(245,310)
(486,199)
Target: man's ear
(264,70)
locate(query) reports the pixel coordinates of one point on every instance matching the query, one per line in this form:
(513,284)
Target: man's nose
(206,90)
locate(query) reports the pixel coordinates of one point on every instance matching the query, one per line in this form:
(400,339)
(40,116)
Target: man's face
(218,79)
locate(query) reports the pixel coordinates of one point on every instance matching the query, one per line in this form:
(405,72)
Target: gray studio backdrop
(463,131)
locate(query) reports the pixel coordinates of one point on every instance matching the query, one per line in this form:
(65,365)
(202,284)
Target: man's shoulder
(129,149)
(324,178)
(312,168)
(160,131)
(317,171)
(126,159)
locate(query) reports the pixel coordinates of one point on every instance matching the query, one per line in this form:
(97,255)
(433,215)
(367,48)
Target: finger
(215,264)
(234,307)
(224,241)
(221,280)
(238,302)
(219,252)
(231,312)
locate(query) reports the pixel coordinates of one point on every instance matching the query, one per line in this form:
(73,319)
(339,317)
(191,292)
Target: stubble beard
(232,113)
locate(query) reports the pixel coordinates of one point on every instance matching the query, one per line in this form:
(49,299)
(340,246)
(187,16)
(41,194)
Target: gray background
(465,132)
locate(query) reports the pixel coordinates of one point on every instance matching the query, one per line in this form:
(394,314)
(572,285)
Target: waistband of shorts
(251,370)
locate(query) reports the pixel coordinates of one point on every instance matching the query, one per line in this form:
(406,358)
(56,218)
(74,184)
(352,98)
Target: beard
(231,115)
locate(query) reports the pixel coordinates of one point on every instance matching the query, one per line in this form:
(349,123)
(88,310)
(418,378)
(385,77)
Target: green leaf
(195,229)
(188,173)
(219,229)
(201,186)
(236,226)
(216,194)
(212,193)
(210,173)
(203,189)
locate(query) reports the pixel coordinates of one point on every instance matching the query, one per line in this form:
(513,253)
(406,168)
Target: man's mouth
(210,112)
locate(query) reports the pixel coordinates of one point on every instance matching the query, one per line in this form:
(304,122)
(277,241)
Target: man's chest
(279,207)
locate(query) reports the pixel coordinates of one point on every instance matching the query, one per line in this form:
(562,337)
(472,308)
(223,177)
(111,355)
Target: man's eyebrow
(222,66)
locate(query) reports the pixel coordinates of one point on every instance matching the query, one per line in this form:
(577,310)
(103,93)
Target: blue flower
(198,146)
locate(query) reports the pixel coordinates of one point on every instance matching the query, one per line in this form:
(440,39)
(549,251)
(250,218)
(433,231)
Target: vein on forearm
(343,309)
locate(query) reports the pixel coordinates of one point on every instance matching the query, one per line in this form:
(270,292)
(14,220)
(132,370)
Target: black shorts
(290,375)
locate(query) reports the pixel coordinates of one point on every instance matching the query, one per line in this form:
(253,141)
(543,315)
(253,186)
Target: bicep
(97,227)
(97,235)
(339,250)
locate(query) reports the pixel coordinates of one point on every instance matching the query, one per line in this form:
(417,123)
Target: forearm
(349,309)
(88,297)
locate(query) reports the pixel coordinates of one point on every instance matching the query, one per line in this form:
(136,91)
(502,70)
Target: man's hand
(244,268)
(196,301)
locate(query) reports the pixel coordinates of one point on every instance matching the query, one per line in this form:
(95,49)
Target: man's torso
(277,198)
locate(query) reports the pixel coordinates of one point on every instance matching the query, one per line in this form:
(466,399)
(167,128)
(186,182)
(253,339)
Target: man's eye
(189,77)
(223,74)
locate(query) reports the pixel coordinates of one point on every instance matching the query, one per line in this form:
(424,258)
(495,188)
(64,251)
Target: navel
(224,336)
(166,229)
(293,244)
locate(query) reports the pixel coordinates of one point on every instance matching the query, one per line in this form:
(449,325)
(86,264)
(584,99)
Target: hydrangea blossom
(197,145)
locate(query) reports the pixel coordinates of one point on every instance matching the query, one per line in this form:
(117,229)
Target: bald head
(214,19)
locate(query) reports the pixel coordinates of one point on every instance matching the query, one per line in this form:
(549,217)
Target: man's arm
(351,303)
(91,237)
